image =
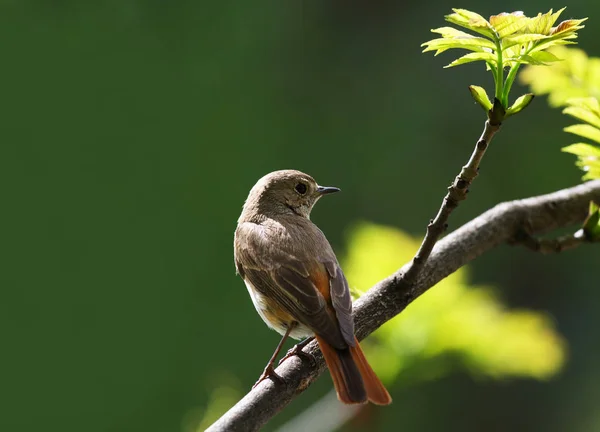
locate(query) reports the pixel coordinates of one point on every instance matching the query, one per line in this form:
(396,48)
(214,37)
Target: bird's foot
(297,351)
(269,372)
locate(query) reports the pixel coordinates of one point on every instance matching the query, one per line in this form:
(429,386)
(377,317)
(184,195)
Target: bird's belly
(274,315)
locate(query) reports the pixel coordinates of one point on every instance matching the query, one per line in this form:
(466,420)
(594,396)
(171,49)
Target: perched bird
(296,283)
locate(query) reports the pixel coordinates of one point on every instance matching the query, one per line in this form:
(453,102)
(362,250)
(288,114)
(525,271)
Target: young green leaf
(506,24)
(480,97)
(520,104)
(468,58)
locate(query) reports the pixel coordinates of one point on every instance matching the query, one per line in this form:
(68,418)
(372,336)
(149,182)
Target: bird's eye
(300,188)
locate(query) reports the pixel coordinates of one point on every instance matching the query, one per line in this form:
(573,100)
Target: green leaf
(588,159)
(583,150)
(522,38)
(472,57)
(520,104)
(544,57)
(506,24)
(472,21)
(443,44)
(591,226)
(451,32)
(543,23)
(583,114)
(585,130)
(480,97)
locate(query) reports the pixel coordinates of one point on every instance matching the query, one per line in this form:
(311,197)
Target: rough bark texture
(505,223)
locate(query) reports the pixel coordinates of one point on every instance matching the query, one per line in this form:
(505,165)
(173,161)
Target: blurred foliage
(575,82)
(576,76)
(464,326)
(509,40)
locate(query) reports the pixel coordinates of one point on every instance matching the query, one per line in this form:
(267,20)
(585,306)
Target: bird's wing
(341,300)
(301,287)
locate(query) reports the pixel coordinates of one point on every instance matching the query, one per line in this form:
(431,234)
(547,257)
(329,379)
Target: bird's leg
(269,372)
(297,351)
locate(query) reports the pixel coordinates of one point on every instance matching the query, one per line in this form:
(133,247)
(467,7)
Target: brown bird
(296,283)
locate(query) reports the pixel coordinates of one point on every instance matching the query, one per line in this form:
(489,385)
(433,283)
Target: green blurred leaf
(588,159)
(453,319)
(481,97)
(585,131)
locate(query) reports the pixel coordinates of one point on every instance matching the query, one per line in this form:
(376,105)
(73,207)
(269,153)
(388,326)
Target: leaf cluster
(506,40)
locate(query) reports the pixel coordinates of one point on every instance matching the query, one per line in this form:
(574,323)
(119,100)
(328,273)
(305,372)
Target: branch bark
(390,296)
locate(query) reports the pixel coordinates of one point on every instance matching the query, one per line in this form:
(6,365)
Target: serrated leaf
(480,97)
(451,32)
(506,24)
(522,39)
(585,131)
(543,23)
(520,104)
(472,57)
(471,21)
(571,25)
(443,44)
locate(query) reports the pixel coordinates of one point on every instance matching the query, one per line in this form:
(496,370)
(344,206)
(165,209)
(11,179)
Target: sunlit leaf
(543,23)
(583,114)
(585,131)
(544,57)
(520,104)
(506,24)
(443,44)
(472,57)
(454,323)
(480,97)
(588,159)
(471,21)
(583,150)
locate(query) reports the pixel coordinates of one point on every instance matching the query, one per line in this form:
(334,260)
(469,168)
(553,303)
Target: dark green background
(131,134)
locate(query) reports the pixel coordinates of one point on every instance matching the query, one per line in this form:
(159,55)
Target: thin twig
(457,192)
(390,296)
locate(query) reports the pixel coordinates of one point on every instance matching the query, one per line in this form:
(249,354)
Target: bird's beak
(324,190)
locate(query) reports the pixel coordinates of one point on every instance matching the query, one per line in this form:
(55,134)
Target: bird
(296,283)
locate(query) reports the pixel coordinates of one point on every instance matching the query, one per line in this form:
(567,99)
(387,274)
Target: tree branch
(548,246)
(390,296)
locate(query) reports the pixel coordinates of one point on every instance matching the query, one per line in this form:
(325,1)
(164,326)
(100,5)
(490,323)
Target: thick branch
(553,245)
(390,296)
(457,192)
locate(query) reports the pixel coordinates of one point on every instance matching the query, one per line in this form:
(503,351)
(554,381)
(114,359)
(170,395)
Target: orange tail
(353,379)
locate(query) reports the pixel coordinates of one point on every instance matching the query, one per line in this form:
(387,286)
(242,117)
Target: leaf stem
(499,77)
(510,78)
